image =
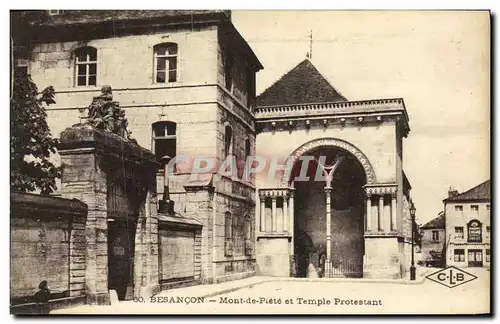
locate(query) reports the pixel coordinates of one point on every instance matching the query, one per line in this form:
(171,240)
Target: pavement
(271,295)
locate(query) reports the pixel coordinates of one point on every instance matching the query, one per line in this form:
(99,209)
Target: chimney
(166,205)
(452,192)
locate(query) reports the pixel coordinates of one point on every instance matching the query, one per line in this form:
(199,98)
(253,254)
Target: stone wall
(47,243)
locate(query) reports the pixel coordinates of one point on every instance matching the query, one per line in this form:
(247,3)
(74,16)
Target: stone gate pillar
(90,158)
(382,259)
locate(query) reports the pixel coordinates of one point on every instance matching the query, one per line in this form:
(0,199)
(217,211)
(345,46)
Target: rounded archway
(329,221)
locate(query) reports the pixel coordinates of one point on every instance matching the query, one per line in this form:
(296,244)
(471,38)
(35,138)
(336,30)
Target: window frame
(229,62)
(437,236)
(459,234)
(166,57)
(487,255)
(459,257)
(459,208)
(474,208)
(228,143)
(477,226)
(87,65)
(165,137)
(228,234)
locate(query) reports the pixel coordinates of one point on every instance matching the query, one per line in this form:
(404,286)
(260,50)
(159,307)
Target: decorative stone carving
(106,114)
(275,192)
(325,142)
(381,189)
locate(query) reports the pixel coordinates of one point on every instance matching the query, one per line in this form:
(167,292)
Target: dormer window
(165,63)
(86,66)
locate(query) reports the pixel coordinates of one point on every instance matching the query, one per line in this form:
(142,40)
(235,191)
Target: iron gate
(347,267)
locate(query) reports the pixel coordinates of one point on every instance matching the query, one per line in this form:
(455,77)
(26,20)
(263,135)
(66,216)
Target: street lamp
(412,268)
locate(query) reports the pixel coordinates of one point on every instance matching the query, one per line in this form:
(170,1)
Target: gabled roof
(479,192)
(436,223)
(303,84)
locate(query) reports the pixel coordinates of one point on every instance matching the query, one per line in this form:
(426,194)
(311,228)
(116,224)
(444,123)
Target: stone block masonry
(90,158)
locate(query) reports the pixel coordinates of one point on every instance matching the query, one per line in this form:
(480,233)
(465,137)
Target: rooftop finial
(309,55)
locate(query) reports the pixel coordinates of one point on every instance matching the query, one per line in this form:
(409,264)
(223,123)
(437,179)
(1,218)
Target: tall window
(459,255)
(488,255)
(165,63)
(474,228)
(435,235)
(459,232)
(228,70)
(228,234)
(228,141)
(248,234)
(248,148)
(86,66)
(165,139)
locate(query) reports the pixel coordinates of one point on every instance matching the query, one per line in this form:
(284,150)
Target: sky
(437,61)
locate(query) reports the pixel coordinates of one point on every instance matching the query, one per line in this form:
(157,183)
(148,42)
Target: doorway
(121,246)
(475,258)
(347,219)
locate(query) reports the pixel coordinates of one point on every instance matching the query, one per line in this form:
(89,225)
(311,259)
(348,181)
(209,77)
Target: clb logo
(451,277)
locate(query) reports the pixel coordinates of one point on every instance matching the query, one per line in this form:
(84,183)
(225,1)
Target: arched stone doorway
(329,177)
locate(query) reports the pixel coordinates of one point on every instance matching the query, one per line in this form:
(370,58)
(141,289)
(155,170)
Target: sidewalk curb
(418,281)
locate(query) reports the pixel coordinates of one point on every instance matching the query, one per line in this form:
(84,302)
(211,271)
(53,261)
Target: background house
(433,241)
(468,226)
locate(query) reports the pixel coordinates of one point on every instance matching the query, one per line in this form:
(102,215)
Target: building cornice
(270,118)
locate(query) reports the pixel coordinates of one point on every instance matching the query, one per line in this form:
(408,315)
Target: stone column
(286,220)
(394,226)
(291,217)
(273,215)
(368,212)
(328,192)
(381,219)
(262,215)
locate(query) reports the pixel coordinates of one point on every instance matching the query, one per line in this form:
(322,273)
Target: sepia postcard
(250,162)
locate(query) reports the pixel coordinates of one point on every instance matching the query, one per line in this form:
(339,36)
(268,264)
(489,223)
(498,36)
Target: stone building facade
(433,242)
(353,223)
(468,227)
(186,81)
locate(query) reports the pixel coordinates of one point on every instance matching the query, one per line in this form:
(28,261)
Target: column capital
(381,189)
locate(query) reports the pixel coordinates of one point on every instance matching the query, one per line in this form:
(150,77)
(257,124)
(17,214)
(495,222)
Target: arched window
(165,62)
(228,141)
(86,66)
(164,139)
(475,231)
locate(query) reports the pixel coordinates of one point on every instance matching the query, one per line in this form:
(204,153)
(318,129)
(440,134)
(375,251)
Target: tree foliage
(31,142)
